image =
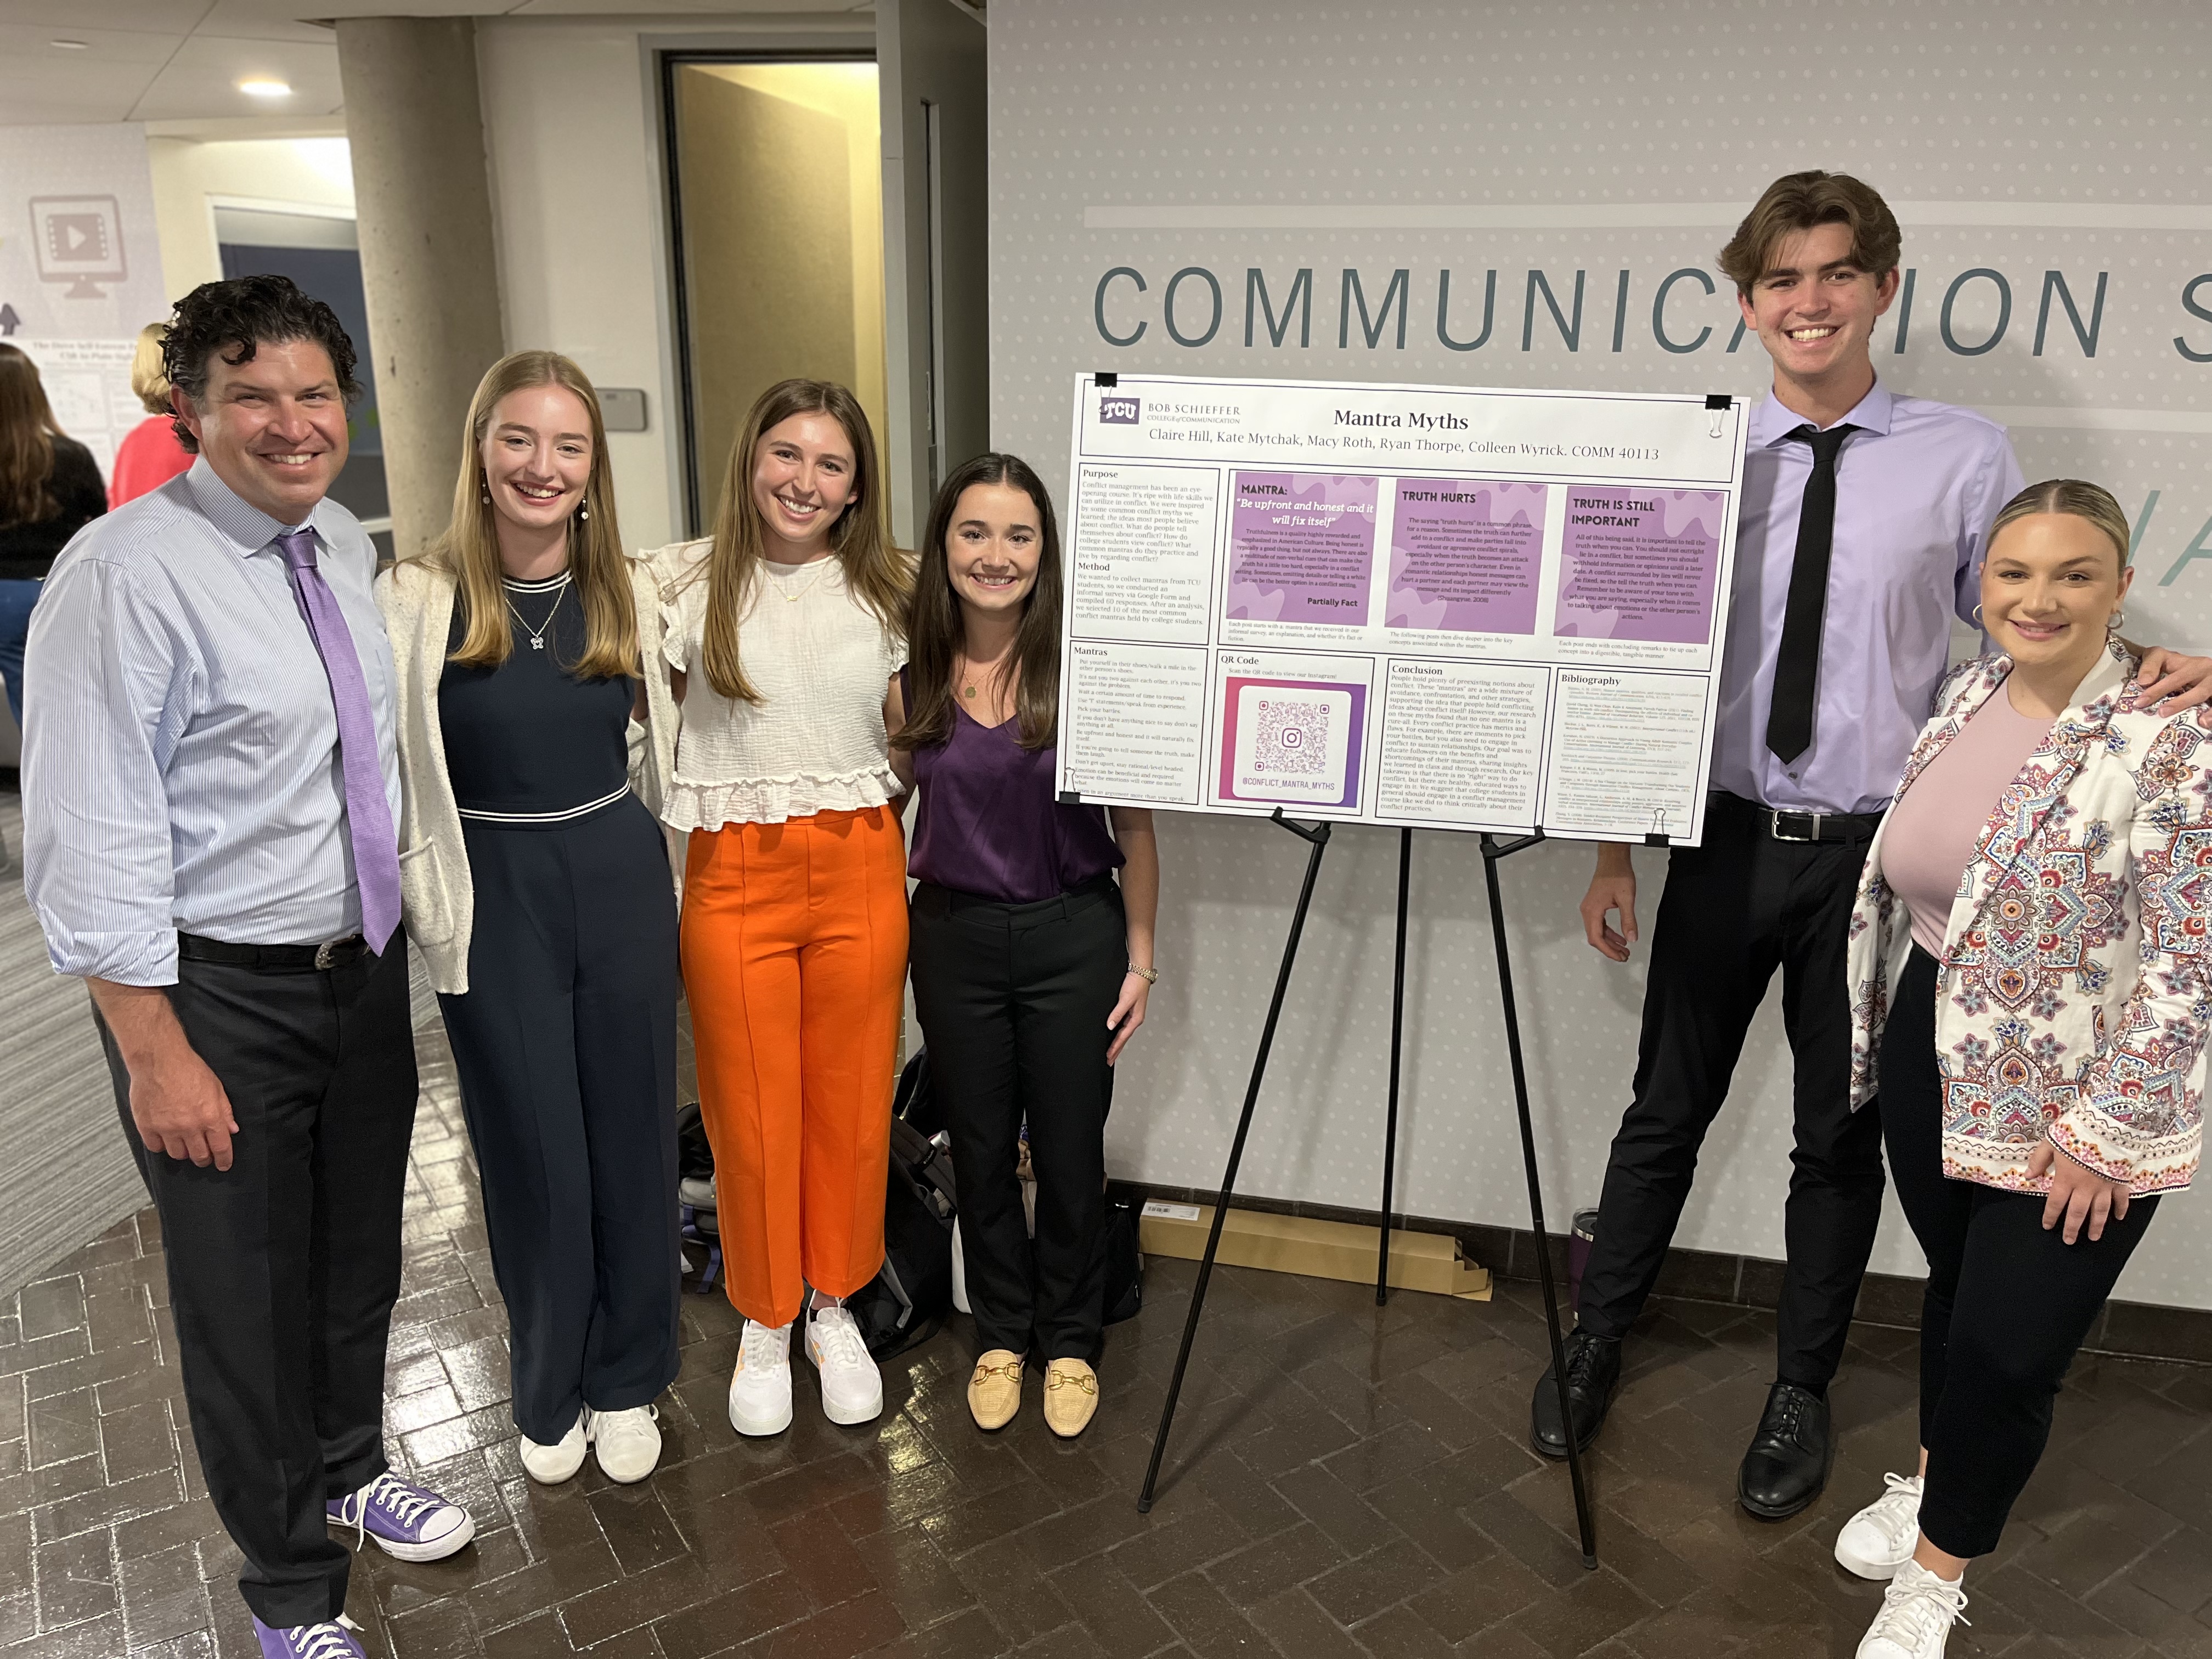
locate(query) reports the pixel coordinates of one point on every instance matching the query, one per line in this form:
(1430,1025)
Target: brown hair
(876,573)
(27,432)
(936,631)
(1799,201)
(469,549)
(149,377)
(2077,499)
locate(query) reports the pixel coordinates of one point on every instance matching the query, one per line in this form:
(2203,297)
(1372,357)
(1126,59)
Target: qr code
(1292,738)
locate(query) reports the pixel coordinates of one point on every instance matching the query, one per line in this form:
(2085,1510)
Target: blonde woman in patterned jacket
(2032,979)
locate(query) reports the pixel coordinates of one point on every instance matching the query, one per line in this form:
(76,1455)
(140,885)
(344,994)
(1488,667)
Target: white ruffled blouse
(815,742)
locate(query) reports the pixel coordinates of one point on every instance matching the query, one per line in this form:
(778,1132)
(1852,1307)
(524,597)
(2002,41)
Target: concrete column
(423,198)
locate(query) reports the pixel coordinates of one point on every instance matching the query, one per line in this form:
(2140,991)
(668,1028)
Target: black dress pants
(1734,910)
(283,1268)
(1013,1000)
(565,1044)
(2007,1304)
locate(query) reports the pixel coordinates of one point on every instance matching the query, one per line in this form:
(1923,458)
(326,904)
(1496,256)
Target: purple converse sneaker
(407,1521)
(330,1641)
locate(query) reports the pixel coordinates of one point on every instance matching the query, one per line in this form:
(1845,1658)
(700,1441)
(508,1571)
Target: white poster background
(1339,689)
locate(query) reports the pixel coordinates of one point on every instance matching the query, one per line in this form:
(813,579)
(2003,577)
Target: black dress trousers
(283,1268)
(565,1045)
(1734,910)
(1013,1000)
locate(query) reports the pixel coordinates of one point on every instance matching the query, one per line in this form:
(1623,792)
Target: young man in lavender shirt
(209,786)
(1863,519)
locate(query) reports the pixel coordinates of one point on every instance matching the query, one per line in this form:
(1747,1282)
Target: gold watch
(1150,976)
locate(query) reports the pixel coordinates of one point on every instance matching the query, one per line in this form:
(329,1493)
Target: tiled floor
(1343,1480)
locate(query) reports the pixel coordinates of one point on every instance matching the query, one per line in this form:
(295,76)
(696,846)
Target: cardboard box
(1318,1249)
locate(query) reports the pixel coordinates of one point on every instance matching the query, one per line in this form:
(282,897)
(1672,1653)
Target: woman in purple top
(1031,962)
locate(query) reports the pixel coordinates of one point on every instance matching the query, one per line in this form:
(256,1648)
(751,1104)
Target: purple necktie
(369,810)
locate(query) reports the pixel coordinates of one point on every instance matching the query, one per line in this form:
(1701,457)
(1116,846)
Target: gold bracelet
(1150,976)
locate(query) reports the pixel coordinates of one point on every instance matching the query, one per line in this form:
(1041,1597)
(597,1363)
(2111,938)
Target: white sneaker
(760,1387)
(1882,1537)
(852,1388)
(628,1442)
(1917,1612)
(549,1465)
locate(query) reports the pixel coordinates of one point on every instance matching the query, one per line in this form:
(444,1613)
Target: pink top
(1932,830)
(148,458)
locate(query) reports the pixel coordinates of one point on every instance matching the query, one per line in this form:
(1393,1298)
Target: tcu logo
(1115,410)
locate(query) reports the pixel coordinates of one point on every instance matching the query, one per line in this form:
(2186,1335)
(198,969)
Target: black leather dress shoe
(1593,1375)
(1788,1463)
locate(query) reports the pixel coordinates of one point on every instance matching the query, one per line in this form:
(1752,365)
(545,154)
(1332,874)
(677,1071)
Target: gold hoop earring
(1978,617)
(2119,620)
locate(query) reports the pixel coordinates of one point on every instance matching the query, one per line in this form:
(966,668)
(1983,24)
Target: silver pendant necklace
(537,634)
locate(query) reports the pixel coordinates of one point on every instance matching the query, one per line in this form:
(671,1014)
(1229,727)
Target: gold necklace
(825,561)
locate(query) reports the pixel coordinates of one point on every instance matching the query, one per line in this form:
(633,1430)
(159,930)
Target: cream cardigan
(436,897)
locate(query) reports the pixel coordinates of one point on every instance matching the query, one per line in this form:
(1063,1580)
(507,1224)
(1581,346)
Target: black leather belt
(1820,829)
(274,958)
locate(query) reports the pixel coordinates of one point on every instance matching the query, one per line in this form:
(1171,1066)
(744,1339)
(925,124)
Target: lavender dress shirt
(1917,486)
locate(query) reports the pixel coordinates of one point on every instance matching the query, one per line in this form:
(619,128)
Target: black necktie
(1797,666)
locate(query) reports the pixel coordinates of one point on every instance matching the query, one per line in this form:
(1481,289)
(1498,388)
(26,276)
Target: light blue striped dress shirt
(181,766)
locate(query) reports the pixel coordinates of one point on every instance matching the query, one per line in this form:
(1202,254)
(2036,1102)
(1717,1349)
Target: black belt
(274,958)
(1782,824)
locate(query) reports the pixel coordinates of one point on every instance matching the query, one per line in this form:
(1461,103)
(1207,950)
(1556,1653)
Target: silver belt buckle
(325,955)
(1774,826)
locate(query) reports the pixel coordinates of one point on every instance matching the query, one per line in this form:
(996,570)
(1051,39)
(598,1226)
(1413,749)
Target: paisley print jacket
(2075,990)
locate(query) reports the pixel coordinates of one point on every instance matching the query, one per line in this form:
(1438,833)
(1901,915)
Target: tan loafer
(1070,1397)
(994,1392)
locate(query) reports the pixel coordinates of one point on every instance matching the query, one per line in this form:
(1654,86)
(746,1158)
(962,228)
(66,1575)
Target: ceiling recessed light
(71,45)
(264,88)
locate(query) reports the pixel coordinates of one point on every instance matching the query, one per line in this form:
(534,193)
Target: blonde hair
(2077,499)
(876,573)
(149,376)
(469,549)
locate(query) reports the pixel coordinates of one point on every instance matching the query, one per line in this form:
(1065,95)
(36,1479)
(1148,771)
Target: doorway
(776,188)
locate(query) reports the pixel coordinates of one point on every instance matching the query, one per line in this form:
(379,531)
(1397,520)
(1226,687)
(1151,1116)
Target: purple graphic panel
(1464,556)
(1301,547)
(1640,564)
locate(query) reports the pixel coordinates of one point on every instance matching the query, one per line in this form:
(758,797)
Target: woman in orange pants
(782,632)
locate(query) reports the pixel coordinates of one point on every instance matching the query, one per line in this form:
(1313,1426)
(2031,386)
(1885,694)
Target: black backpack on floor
(906,1303)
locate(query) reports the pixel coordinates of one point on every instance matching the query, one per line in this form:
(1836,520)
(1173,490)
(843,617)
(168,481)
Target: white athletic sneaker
(628,1442)
(1917,1612)
(852,1388)
(1882,1537)
(760,1387)
(549,1465)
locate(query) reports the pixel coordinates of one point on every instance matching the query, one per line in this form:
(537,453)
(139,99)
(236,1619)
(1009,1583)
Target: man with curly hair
(210,784)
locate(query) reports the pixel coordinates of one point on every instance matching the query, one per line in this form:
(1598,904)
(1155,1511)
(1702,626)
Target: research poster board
(1436,606)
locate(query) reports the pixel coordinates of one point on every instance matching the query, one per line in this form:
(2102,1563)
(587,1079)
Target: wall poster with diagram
(1450,608)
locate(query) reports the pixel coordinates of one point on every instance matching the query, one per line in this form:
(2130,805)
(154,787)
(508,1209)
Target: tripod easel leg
(1397,1047)
(1318,838)
(1492,850)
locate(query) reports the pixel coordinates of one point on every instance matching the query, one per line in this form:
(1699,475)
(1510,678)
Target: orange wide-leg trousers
(794,962)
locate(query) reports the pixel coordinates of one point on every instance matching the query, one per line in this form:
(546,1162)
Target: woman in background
(2031,964)
(149,454)
(536,885)
(1031,963)
(50,490)
(783,632)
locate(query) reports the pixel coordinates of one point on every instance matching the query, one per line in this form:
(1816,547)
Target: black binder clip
(1105,377)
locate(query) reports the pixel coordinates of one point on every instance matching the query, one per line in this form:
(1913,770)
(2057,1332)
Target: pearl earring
(584,513)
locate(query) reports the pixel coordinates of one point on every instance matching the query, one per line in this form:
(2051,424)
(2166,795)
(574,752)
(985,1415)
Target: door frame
(667,60)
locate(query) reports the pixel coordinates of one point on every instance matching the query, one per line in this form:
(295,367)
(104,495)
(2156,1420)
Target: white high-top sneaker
(549,1465)
(1917,1612)
(760,1387)
(852,1388)
(1882,1537)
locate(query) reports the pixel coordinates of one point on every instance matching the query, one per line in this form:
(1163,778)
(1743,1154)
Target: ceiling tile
(202,80)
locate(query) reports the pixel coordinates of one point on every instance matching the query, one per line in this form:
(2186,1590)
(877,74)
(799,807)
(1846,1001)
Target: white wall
(276,171)
(1166,134)
(572,124)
